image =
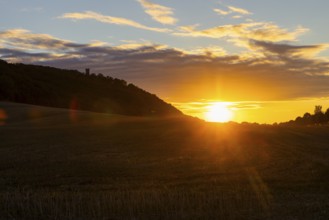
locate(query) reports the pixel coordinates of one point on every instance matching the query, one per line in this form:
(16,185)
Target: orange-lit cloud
(263,31)
(266,71)
(90,15)
(209,51)
(3,117)
(134,44)
(159,13)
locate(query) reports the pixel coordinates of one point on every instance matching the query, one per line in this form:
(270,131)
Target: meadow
(62,164)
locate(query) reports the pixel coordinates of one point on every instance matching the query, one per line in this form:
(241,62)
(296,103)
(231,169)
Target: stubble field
(61,164)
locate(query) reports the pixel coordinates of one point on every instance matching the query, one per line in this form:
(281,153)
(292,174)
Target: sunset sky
(267,60)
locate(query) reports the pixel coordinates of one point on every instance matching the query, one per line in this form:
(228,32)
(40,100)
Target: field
(61,164)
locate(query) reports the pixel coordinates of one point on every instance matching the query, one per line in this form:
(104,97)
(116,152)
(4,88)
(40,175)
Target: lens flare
(3,117)
(74,106)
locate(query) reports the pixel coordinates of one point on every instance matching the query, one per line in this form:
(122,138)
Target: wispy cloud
(166,71)
(25,40)
(159,13)
(235,11)
(221,12)
(20,45)
(133,45)
(237,16)
(255,30)
(210,51)
(239,10)
(90,15)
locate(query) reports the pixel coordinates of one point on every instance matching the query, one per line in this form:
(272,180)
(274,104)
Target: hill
(55,165)
(54,87)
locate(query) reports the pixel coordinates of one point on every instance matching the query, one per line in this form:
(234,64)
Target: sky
(268,61)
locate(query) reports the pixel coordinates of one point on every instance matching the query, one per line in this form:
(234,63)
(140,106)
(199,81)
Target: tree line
(48,86)
(319,117)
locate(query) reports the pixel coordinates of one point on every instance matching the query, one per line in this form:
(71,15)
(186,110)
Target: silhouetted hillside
(54,87)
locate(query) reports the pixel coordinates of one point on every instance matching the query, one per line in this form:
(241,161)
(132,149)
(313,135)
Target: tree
(307,118)
(55,87)
(318,109)
(319,117)
(327,115)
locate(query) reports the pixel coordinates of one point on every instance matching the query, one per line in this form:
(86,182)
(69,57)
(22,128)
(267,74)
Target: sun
(218,112)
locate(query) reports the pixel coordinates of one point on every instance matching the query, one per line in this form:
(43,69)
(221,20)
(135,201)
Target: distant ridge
(48,86)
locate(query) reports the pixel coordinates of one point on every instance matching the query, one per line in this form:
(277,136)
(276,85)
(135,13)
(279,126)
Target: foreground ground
(59,164)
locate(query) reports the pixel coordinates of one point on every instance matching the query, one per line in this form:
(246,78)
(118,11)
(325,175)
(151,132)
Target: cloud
(25,40)
(159,13)
(90,15)
(279,72)
(295,58)
(304,51)
(239,10)
(264,31)
(210,51)
(237,16)
(222,12)
(21,56)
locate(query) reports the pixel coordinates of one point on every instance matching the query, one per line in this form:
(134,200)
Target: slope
(54,87)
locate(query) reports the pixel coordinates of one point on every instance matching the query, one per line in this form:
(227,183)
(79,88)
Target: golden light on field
(218,112)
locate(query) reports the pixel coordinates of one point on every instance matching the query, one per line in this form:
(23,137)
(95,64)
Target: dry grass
(139,204)
(101,166)
(235,203)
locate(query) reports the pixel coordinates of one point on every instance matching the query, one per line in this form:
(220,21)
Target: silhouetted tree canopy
(54,87)
(318,118)
(318,109)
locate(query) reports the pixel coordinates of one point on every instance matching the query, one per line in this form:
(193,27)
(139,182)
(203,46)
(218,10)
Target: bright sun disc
(218,112)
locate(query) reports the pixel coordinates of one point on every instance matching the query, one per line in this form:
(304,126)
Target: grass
(57,164)
(132,204)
